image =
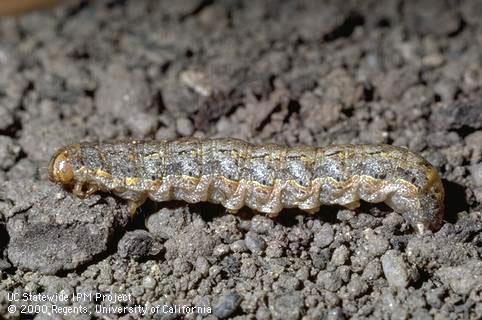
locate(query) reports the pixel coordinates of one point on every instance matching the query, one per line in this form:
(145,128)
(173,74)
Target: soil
(406,73)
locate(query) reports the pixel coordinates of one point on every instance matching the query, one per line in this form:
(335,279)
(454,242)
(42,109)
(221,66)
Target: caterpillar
(266,178)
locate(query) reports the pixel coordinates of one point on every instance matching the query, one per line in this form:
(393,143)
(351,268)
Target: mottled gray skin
(266,178)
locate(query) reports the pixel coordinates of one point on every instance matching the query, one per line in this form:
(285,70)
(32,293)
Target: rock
(261,224)
(202,265)
(167,223)
(476,171)
(474,142)
(395,269)
(375,244)
(149,282)
(435,297)
(340,255)
(287,307)
(324,236)
(179,99)
(193,242)
(51,231)
(356,287)
(263,313)
(221,250)
(142,124)
(184,127)
(464,278)
(329,280)
(461,114)
(275,249)
(238,246)
(138,244)
(287,282)
(226,304)
(372,271)
(335,314)
(166,133)
(434,252)
(254,242)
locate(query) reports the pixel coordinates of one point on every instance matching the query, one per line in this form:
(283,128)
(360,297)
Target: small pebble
(137,291)
(226,304)
(395,269)
(274,249)
(261,224)
(435,296)
(221,250)
(324,237)
(263,314)
(287,307)
(149,282)
(356,287)
(375,244)
(372,271)
(181,266)
(138,244)
(335,314)
(165,133)
(476,171)
(254,242)
(287,282)
(340,255)
(238,246)
(142,124)
(329,280)
(202,266)
(462,279)
(184,127)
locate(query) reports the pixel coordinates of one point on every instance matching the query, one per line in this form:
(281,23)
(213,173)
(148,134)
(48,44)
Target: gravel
(226,305)
(464,278)
(476,171)
(395,269)
(254,243)
(138,244)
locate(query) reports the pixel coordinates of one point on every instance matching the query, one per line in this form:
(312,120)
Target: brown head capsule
(60,168)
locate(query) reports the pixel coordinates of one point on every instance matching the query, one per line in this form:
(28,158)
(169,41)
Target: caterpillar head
(61,167)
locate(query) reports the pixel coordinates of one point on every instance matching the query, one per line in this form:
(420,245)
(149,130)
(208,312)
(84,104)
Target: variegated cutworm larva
(266,178)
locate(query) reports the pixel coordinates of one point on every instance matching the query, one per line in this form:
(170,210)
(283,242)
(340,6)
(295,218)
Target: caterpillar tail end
(430,215)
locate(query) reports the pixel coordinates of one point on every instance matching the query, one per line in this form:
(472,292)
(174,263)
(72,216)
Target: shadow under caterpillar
(266,178)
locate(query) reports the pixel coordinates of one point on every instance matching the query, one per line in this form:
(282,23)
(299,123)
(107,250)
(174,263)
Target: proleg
(266,178)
